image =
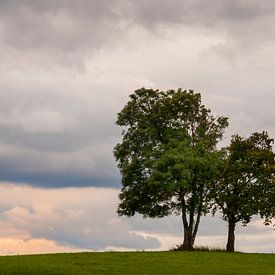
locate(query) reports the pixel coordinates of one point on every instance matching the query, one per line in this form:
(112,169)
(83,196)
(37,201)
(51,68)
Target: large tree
(168,157)
(246,186)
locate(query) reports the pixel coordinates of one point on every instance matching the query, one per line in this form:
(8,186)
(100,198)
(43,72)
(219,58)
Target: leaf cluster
(168,154)
(246,185)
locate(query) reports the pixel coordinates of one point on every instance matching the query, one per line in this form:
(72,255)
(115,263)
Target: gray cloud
(71,28)
(244,27)
(57,25)
(55,131)
(206,14)
(67,68)
(177,11)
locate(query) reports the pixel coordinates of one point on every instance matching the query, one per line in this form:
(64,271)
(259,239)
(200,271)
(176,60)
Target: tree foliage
(168,157)
(246,186)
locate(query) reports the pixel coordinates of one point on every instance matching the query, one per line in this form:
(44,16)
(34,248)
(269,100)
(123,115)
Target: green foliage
(139,263)
(168,155)
(247,186)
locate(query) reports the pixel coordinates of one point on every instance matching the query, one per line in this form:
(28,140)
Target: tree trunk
(231,235)
(190,232)
(188,240)
(191,228)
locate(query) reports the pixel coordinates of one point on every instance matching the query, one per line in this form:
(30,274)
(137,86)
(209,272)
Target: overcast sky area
(67,68)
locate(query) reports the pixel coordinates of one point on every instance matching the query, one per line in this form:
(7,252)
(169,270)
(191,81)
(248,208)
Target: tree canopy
(246,186)
(168,157)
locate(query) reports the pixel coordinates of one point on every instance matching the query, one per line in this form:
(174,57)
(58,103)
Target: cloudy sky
(67,68)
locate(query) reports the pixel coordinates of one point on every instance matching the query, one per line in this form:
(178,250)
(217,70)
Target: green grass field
(140,263)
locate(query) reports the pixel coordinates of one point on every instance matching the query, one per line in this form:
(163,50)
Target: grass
(139,263)
(198,248)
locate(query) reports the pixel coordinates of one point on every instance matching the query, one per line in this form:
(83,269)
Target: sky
(66,70)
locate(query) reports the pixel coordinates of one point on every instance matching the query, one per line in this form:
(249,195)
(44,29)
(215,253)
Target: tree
(168,156)
(246,186)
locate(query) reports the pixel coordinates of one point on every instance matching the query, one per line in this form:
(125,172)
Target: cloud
(55,168)
(66,218)
(233,17)
(36,220)
(37,121)
(64,27)
(60,26)
(67,70)
(11,246)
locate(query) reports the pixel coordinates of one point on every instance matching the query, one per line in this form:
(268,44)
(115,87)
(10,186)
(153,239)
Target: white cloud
(15,246)
(76,218)
(35,220)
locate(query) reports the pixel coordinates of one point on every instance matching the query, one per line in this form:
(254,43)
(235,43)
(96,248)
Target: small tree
(246,186)
(168,156)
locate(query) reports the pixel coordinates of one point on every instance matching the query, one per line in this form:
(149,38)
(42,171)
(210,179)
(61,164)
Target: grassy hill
(140,263)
